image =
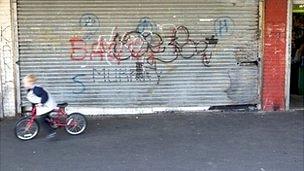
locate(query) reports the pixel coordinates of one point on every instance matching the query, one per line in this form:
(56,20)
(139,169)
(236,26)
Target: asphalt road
(172,141)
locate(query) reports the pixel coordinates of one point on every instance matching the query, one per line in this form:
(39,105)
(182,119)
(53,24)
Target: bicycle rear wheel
(76,123)
(26,131)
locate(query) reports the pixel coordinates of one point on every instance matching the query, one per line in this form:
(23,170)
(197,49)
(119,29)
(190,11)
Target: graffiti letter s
(75,80)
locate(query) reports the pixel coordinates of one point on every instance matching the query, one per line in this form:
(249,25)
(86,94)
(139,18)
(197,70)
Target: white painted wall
(7,61)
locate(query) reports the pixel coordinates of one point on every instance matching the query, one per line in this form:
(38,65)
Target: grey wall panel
(139,53)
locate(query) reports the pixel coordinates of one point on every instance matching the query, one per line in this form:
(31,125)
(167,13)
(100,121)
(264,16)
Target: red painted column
(274,61)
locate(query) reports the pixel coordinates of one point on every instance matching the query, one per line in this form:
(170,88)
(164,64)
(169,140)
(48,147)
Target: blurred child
(44,102)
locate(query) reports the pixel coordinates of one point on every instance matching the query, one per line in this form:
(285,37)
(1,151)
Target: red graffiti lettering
(78,49)
(97,50)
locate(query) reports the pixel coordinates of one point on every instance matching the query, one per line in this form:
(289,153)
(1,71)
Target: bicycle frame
(32,117)
(58,120)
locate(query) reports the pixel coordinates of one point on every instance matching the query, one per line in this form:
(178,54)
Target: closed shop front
(142,54)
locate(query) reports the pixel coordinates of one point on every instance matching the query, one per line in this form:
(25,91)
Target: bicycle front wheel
(76,123)
(25,130)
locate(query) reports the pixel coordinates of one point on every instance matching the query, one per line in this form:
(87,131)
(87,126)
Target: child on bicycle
(44,102)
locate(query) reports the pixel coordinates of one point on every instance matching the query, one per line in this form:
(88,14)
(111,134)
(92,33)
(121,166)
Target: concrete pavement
(173,141)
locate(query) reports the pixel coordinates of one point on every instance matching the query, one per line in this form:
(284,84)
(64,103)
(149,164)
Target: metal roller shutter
(140,53)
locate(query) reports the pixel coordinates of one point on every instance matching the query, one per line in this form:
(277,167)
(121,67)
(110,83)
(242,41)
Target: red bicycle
(27,127)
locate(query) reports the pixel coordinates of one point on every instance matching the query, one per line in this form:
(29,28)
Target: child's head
(29,81)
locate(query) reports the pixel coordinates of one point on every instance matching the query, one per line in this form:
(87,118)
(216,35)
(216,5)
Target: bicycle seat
(62,104)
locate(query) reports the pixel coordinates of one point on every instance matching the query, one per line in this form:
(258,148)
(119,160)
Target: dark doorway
(297,59)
